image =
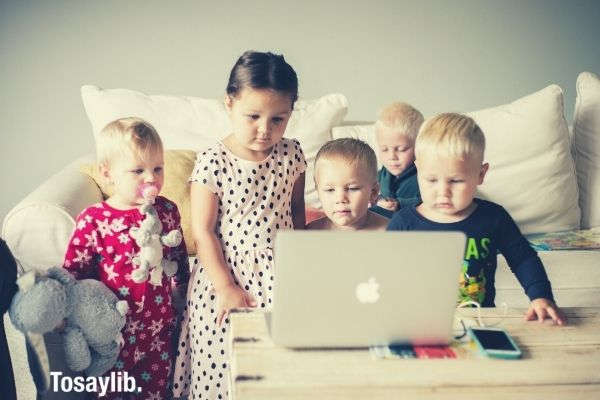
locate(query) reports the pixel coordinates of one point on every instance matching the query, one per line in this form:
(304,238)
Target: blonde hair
(355,152)
(401,117)
(133,134)
(451,135)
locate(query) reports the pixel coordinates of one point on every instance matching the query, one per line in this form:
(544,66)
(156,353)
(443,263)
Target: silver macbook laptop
(357,289)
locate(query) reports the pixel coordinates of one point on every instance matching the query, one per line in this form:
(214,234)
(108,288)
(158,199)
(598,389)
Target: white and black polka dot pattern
(254,202)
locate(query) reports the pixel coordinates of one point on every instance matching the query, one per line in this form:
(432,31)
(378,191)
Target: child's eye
(456,180)
(431,180)
(354,188)
(277,120)
(384,150)
(328,190)
(158,170)
(253,117)
(138,171)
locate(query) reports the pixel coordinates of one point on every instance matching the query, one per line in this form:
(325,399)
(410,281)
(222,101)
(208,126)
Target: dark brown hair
(259,70)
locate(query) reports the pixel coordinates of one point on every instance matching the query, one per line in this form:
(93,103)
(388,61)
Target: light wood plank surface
(558,362)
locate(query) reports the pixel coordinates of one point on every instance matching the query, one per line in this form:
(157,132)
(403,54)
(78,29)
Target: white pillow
(185,122)
(531,170)
(364,132)
(311,123)
(532,173)
(586,146)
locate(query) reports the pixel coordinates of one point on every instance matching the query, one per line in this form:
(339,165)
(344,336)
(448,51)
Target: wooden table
(558,363)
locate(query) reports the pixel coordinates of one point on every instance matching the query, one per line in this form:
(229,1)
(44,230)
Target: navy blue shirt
(489,230)
(404,188)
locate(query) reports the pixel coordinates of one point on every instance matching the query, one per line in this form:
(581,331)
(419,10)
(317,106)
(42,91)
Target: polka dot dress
(254,202)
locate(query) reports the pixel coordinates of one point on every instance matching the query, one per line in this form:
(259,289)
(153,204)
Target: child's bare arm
(298,207)
(203,215)
(204,218)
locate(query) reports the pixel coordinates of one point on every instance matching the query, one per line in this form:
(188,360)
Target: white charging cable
(479,318)
(472,303)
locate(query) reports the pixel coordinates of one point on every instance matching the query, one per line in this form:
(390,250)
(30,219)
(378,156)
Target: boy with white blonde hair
(130,158)
(449,158)
(395,130)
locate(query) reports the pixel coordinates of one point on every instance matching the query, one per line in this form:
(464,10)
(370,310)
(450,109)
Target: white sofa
(548,178)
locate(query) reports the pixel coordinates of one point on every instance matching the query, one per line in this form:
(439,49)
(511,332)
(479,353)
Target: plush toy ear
(41,307)
(26,281)
(172,239)
(61,275)
(122,307)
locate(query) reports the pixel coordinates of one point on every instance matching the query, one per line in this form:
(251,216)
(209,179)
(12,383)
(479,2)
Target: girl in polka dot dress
(243,190)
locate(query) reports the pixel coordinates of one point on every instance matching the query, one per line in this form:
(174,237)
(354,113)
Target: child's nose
(341,196)
(445,189)
(150,177)
(264,127)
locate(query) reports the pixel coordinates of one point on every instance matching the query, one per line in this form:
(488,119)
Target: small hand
(388,204)
(544,308)
(232,296)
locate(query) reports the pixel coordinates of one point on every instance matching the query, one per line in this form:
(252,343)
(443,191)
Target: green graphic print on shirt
(472,276)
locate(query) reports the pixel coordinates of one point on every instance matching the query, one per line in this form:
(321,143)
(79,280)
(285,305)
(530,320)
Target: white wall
(458,55)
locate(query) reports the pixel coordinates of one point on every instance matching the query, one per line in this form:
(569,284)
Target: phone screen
(493,340)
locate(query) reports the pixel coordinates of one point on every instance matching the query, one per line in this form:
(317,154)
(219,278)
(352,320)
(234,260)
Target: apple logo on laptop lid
(368,292)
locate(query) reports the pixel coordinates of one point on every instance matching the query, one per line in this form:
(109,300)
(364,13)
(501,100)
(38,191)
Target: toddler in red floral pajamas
(130,157)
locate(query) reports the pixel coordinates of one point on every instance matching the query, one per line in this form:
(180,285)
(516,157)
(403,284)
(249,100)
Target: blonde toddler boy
(346,181)
(449,154)
(395,132)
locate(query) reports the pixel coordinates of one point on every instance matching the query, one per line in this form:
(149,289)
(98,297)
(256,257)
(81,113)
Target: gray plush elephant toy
(148,237)
(94,316)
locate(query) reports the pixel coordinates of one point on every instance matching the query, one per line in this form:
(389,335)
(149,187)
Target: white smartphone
(494,342)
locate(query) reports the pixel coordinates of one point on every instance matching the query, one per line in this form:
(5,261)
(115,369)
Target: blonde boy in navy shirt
(449,157)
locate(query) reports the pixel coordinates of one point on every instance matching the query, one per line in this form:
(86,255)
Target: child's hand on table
(232,296)
(542,308)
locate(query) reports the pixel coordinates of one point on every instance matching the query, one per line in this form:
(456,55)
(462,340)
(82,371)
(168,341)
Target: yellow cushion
(178,168)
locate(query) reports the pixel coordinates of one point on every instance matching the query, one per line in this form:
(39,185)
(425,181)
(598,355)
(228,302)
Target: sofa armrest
(37,230)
